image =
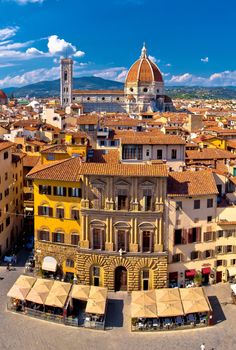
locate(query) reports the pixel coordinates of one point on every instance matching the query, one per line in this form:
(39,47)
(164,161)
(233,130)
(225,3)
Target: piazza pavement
(25,333)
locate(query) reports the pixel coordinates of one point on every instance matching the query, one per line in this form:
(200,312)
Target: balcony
(103,132)
(124,254)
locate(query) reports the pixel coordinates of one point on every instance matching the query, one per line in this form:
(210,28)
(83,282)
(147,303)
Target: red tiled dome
(144,70)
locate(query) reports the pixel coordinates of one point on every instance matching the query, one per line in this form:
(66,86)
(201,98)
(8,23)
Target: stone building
(66,81)
(143,91)
(103,223)
(11,196)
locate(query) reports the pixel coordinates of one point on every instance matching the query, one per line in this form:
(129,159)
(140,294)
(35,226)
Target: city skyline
(188,43)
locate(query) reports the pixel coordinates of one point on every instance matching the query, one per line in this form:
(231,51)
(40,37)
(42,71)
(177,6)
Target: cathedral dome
(144,71)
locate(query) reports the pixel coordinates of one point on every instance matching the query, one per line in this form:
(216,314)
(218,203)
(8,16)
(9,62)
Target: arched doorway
(120,278)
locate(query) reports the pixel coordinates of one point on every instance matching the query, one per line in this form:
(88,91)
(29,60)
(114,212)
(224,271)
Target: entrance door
(120,278)
(218,276)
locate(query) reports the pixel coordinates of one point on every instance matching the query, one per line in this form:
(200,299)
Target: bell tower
(66,81)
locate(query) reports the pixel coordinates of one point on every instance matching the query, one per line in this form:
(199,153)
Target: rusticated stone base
(85,260)
(133,264)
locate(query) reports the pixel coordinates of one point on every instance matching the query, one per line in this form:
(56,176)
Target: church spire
(144,51)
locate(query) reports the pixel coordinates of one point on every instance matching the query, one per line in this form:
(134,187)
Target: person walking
(202,347)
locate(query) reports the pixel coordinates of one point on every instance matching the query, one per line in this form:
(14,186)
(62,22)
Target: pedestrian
(202,347)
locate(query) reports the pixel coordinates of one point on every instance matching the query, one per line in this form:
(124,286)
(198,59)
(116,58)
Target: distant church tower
(66,81)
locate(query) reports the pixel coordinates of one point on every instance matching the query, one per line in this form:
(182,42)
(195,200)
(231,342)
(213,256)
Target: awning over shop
(190,273)
(232,271)
(233,287)
(143,304)
(21,287)
(49,264)
(206,270)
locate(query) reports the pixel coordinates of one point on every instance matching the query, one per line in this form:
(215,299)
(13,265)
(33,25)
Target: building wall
(11,205)
(104,215)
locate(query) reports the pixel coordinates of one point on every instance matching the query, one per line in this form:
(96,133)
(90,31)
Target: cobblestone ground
(22,332)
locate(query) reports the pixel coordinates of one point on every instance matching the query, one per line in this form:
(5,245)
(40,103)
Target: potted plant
(198,279)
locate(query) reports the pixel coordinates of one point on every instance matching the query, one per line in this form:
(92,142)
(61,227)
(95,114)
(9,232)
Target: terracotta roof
(30,161)
(59,170)
(147,139)
(2,94)
(87,119)
(5,144)
(191,183)
(98,92)
(111,156)
(55,149)
(145,71)
(209,153)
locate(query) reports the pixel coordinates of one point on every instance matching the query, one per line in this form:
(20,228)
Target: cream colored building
(11,196)
(200,236)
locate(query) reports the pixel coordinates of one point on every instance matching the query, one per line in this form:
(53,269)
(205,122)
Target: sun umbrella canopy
(194,300)
(58,294)
(80,292)
(98,293)
(21,287)
(95,306)
(169,309)
(144,297)
(167,294)
(139,310)
(40,291)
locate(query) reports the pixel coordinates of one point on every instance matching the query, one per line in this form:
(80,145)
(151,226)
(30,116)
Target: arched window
(58,237)
(65,76)
(44,234)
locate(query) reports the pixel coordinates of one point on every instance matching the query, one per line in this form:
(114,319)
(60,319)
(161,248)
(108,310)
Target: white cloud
(154,59)
(60,47)
(31,77)
(32,51)
(168,64)
(5,65)
(121,77)
(205,60)
(113,73)
(79,54)
(8,32)
(25,2)
(226,78)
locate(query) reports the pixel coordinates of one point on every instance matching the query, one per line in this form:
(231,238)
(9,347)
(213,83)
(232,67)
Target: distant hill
(195,92)
(52,89)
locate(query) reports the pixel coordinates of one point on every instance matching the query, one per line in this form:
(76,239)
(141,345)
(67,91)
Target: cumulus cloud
(114,73)
(168,64)
(30,77)
(205,60)
(226,78)
(79,54)
(8,32)
(60,47)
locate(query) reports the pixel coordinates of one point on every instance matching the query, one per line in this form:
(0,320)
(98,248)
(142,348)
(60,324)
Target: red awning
(190,273)
(206,270)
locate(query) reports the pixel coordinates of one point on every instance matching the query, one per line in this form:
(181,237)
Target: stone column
(141,241)
(126,240)
(86,231)
(134,236)
(151,241)
(101,234)
(108,242)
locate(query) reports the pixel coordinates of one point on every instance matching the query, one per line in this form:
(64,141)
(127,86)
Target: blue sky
(192,41)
